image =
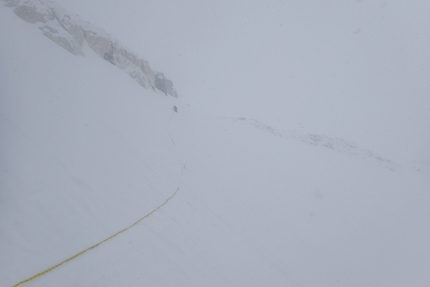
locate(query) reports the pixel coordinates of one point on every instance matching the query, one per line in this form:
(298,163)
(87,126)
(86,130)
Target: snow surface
(71,33)
(356,69)
(85,152)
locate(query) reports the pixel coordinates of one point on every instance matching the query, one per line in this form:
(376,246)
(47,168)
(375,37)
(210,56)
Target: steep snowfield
(355,69)
(85,152)
(71,32)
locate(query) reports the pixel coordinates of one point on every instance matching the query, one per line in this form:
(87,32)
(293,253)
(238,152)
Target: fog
(297,152)
(351,69)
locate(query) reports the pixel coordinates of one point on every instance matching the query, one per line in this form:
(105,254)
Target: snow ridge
(336,144)
(71,32)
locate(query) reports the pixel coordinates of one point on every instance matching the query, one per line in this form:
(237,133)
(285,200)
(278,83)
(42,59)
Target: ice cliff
(71,32)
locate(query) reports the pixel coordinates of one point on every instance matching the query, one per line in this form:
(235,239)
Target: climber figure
(175,109)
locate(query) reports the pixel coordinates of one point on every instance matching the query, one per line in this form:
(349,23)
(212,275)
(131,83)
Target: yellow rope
(94,246)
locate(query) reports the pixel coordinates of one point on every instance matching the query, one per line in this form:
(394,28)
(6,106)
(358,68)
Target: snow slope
(85,152)
(354,69)
(71,32)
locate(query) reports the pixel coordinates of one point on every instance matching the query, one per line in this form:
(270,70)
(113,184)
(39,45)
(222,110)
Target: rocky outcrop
(165,85)
(71,32)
